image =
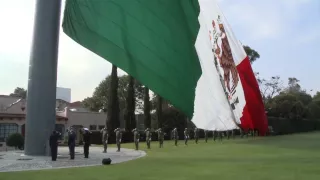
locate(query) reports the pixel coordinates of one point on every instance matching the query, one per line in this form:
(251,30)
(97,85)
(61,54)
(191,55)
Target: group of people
(217,135)
(86,134)
(55,136)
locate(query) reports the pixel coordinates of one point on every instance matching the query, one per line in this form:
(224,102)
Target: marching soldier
(136,137)
(175,136)
(186,136)
(241,133)
(196,135)
(206,135)
(160,137)
(148,137)
(118,138)
(105,137)
(54,137)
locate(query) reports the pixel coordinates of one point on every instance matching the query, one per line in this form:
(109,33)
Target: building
(13,114)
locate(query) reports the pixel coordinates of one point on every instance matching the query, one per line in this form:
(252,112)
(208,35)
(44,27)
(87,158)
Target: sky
(286,33)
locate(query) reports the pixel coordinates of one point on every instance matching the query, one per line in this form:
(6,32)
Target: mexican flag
(183,50)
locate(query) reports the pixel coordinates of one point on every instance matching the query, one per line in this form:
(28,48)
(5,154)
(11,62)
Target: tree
(172,117)
(113,120)
(130,106)
(293,85)
(252,54)
(147,108)
(271,87)
(99,99)
(19,92)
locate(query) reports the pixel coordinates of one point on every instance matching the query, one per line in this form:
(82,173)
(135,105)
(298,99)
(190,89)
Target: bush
(15,140)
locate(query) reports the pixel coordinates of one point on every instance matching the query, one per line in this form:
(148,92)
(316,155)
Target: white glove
(138,140)
(106,141)
(120,140)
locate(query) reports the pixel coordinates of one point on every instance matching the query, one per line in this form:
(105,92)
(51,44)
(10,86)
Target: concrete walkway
(16,161)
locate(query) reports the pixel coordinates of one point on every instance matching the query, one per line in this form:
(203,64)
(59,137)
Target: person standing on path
(54,137)
(136,138)
(105,137)
(71,143)
(118,138)
(148,137)
(86,142)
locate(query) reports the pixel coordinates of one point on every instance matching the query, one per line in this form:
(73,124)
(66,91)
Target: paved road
(16,161)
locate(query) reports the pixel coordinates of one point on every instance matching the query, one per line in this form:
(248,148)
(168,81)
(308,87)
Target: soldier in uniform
(206,135)
(86,142)
(228,134)
(175,136)
(105,137)
(196,135)
(54,137)
(71,143)
(186,136)
(220,135)
(118,138)
(215,135)
(148,137)
(241,133)
(233,134)
(160,137)
(136,137)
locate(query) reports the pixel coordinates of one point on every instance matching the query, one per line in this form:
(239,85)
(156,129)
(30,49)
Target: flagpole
(42,82)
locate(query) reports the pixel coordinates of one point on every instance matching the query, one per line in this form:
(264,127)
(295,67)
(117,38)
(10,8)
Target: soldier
(233,133)
(228,134)
(160,137)
(118,138)
(215,135)
(206,135)
(54,137)
(241,133)
(71,142)
(175,136)
(186,136)
(196,135)
(220,136)
(136,137)
(148,137)
(86,142)
(105,137)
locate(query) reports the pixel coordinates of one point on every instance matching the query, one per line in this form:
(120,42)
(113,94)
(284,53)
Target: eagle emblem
(223,54)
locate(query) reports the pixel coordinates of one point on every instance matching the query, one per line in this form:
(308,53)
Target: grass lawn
(272,158)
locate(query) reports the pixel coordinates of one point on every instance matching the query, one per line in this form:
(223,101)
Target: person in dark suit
(71,143)
(86,142)
(54,137)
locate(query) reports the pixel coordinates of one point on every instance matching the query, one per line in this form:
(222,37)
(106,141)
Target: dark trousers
(136,144)
(71,151)
(148,143)
(54,153)
(86,150)
(161,143)
(196,139)
(118,145)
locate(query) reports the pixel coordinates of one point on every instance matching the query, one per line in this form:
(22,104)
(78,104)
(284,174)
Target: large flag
(183,50)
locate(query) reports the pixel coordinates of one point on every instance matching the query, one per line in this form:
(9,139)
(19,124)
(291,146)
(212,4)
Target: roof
(11,115)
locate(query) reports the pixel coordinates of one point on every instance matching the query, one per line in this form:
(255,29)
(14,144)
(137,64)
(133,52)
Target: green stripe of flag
(152,40)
